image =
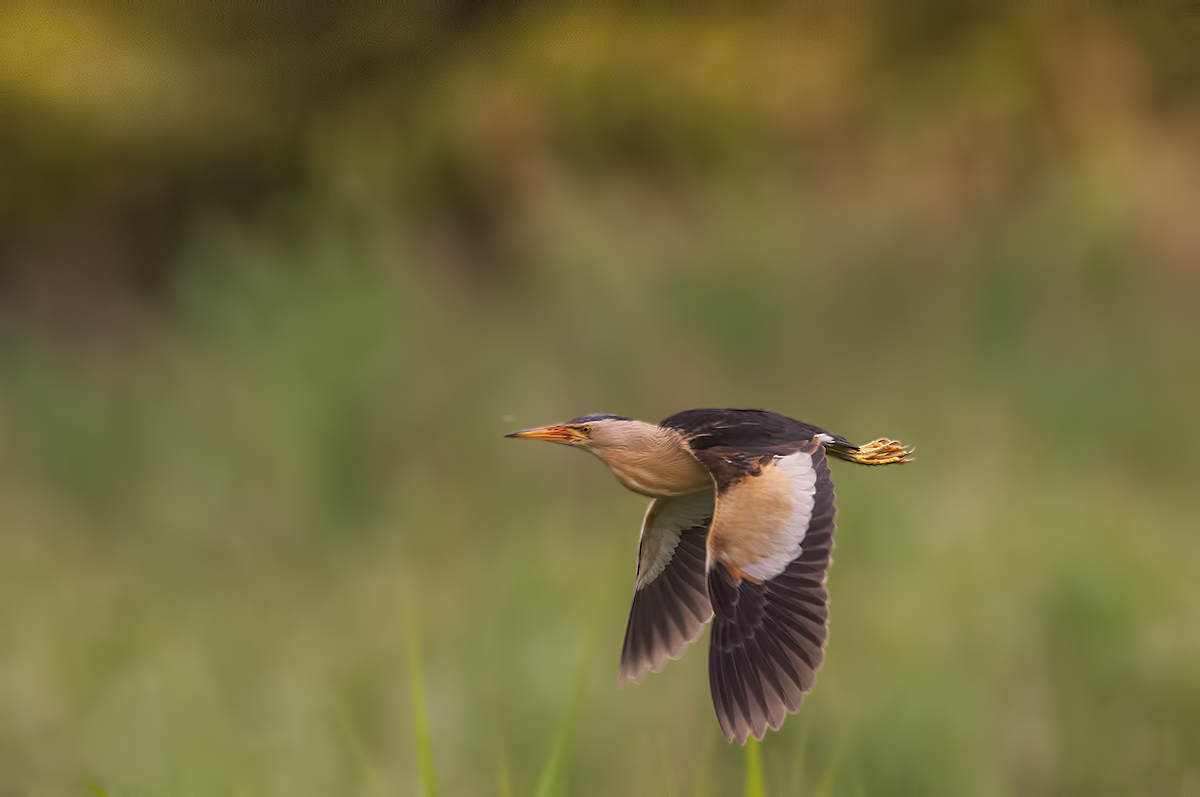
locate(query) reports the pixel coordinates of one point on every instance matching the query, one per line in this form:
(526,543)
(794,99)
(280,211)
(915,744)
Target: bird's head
(648,459)
(589,431)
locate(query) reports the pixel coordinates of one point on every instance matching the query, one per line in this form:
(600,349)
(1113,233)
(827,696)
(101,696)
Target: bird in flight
(740,532)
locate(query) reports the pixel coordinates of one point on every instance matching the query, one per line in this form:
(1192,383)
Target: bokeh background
(275,279)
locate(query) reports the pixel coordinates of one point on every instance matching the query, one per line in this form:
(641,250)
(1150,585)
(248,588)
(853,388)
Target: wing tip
(736,728)
(630,672)
(760,674)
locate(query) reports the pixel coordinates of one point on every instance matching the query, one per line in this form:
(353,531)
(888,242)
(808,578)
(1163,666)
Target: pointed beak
(559,433)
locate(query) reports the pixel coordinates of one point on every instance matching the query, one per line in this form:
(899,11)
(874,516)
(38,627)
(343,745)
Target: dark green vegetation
(231,477)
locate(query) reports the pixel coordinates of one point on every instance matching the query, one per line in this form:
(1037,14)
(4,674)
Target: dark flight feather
(768,638)
(670,611)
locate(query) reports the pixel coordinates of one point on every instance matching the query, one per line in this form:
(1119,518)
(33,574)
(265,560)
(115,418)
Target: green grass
(209,544)
(420,712)
(553,780)
(209,538)
(754,773)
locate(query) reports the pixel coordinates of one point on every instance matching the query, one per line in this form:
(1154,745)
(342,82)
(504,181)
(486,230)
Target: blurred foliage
(275,279)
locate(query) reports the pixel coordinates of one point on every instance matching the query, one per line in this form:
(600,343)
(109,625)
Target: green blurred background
(276,278)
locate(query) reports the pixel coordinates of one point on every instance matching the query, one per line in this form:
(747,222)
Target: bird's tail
(877,452)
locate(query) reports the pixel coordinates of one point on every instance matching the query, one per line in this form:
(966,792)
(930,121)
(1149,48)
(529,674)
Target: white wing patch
(664,521)
(789,537)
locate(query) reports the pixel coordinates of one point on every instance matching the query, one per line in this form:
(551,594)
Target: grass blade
(669,785)
(371,776)
(551,781)
(703,777)
(754,775)
(503,770)
(829,779)
(799,760)
(420,710)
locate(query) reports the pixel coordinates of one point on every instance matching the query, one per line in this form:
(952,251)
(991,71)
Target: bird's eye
(585,429)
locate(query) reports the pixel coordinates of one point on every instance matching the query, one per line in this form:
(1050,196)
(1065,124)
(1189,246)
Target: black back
(742,428)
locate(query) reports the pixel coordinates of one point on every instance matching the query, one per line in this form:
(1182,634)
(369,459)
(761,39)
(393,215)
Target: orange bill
(559,433)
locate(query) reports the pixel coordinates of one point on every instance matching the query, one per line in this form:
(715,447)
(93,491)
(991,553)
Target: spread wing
(768,553)
(670,603)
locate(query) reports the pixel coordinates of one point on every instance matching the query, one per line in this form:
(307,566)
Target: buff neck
(650,460)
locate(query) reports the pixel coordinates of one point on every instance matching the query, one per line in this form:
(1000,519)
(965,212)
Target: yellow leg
(881,452)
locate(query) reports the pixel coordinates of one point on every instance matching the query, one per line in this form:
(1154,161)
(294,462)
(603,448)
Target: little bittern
(740,532)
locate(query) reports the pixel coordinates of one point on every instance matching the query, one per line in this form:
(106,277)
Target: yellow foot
(881,452)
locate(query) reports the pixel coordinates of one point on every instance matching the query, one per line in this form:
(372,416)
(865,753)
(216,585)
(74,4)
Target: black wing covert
(744,429)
